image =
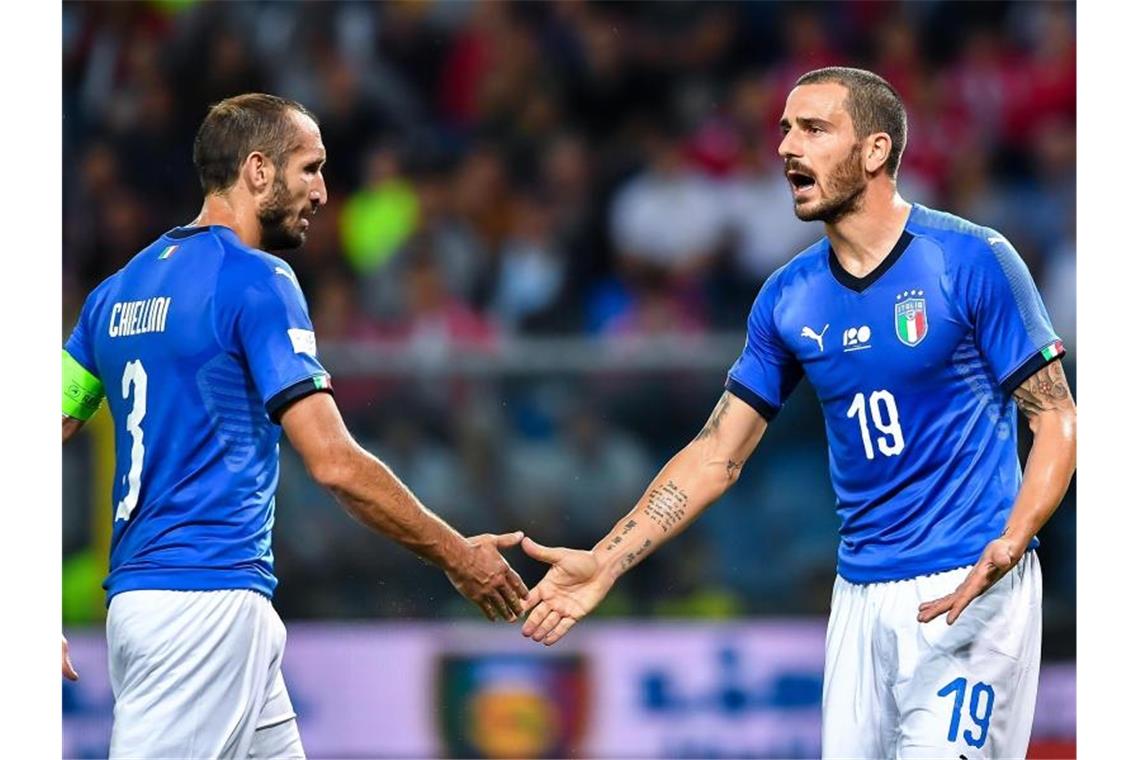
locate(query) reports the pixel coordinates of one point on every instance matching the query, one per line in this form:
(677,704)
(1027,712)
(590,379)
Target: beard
(279,231)
(847,189)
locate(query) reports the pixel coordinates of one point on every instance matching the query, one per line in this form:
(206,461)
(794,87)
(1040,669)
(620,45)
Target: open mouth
(801,182)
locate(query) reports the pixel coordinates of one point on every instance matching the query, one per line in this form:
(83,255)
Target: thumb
(505,540)
(68,669)
(540,552)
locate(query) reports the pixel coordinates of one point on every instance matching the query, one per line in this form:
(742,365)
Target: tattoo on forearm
(629,560)
(714,419)
(625,529)
(666,505)
(733,468)
(1043,391)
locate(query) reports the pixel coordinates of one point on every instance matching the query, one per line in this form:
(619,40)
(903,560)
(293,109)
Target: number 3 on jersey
(882,405)
(134,375)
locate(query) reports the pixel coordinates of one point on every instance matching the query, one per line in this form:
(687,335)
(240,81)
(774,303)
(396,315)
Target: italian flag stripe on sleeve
(1053,350)
(322,382)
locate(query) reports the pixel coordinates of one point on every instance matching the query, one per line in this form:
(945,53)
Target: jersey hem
(869,576)
(190,579)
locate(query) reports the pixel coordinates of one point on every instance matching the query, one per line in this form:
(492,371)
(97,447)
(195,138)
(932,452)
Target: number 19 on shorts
(885,414)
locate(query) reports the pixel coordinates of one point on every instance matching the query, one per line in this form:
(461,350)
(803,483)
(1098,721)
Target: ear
(257,172)
(876,152)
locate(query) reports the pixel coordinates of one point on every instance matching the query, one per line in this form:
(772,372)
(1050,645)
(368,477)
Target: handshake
(575,583)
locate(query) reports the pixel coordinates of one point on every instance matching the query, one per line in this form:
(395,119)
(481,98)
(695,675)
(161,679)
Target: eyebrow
(805,121)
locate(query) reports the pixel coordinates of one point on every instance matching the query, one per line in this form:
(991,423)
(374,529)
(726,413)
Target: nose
(789,146)
(319,194)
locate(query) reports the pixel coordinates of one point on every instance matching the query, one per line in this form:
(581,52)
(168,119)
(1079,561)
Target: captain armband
(82,391)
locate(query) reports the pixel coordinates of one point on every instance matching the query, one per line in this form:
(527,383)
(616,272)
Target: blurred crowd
(562,169)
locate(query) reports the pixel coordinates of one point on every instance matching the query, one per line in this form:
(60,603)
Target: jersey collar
(181,233)
(859,284)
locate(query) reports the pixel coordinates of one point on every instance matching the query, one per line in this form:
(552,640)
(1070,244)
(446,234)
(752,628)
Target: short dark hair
(237,126)
(874,105)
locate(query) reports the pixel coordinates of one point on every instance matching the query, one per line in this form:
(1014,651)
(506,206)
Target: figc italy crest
(911,324)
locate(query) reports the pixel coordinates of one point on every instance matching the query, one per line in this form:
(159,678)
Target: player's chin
(806,211)
(293,239)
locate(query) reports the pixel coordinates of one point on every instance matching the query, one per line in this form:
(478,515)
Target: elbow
(333,470)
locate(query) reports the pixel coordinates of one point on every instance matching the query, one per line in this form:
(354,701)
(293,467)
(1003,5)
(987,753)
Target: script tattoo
(714,419)
(1043,391)
(666,505)
(625,529)
(631,559)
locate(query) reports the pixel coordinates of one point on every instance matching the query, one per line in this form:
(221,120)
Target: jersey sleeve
(1014,334)
(766,372)
(277,339)
(82,387)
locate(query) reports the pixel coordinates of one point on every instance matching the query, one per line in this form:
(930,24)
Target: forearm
(1048,472)
(371,493)
(692,480)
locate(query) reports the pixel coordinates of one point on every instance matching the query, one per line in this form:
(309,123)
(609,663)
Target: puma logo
(807,332)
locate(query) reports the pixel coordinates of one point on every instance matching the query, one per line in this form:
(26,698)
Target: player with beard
(921,334)
(204,344)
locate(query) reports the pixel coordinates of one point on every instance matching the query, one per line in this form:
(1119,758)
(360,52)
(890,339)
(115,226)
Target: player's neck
(861,240)
(226,211)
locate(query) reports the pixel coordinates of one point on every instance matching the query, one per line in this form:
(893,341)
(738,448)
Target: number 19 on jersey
(885,414)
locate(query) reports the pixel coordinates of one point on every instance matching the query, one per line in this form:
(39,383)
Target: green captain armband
(82,391)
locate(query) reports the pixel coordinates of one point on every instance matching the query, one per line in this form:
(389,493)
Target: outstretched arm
(692,480)
(1047,403)
(371,493)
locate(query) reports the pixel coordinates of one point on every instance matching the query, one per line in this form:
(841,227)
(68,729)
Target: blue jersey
(913,365)
(200,343)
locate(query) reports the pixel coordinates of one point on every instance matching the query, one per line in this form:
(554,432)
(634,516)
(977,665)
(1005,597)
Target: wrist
(610,566)
(456,554)
(1020,537)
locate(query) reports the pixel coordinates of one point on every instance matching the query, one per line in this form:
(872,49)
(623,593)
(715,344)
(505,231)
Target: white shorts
(198,674)
(896,688)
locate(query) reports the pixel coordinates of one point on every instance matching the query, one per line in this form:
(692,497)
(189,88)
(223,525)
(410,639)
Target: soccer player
(920,333)
(204,349)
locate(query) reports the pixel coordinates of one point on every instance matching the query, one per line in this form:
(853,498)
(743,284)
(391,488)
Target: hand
(484,577)
(573,586)
(998,558)
(68,670)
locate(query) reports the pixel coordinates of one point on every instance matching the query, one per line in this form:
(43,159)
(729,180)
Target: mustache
(792,165)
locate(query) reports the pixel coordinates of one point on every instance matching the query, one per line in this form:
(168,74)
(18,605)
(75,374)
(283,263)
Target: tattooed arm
(1047,403)
(692,480)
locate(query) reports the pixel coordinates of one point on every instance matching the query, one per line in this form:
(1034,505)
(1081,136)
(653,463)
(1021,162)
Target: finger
(506,540)
(488,609)
(504,605)
(498,604)
(934,602)
(540,552)
(536,617)
(959,608)
(69,670)
(930,610)
(560,630)
(519,587)
(514,603)
(548,624)
(531,599)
